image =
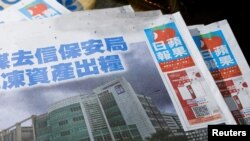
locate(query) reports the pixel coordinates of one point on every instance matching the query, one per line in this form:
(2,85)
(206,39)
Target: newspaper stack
(114,74)
(72,5)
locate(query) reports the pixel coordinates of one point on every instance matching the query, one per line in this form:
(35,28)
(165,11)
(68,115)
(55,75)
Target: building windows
(126,134)
(99,138)
(86,139)
(107,137)
(75,119)
(118,136)
(135,132)
(75,109)
(65,133)
(42,124)
(61,123)
(102,108)
(155,123)
(116,121)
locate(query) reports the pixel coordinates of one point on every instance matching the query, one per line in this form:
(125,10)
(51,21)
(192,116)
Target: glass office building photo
(112,112)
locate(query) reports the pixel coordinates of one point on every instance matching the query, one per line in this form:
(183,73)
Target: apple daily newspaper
(73,50)
(6,3)
(227,65)
(72,5)
(32,9)
(14,13)
(84,82)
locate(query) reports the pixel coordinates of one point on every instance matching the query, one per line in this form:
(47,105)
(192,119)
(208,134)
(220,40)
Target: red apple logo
(212,42)
(244,84)
(38,9)
(164,35)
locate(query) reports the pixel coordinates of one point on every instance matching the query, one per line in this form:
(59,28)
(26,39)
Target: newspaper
(78,5)
(227,65)
(75,5)
(75,56)
(103,90)
(32,9)
(192,87)
(12,14)
(6,3)
(72,5)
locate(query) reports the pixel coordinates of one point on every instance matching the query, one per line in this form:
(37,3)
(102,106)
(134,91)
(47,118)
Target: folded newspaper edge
(233,86)
(201,64)
(12,15)
(32,9)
